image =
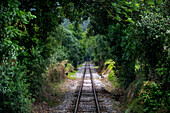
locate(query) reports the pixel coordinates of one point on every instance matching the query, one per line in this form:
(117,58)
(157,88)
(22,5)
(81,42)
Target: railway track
(87,100)
(90,96)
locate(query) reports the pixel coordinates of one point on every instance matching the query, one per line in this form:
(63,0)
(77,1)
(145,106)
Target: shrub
(111,69)
(14,93)
(151,96)
(36,67)
(55,73)
(114,79)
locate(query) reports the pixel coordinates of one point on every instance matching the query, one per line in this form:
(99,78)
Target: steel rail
(80,91)
(94,93)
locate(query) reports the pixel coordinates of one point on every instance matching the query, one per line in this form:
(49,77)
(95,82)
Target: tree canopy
(35,34)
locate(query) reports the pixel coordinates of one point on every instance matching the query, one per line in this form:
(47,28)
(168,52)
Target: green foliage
(54,40)
(137,67)
(14,93)
(72,74)
(151,33)
(97,48)
(35,69)
(76,30)
(63,42)
(111,68)
(163,79)
(69,68)
(72,45)
(135,107)
(151,96)
(152,38)
(111,64)
(59,54)
(139,45)
(118,45)
(30,41)
(112,77)
(121,46)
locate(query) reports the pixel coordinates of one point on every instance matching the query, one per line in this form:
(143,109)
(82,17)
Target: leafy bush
(111,69)
(121,47)
(163,79)
(151,96)
(55,73)
(14,93)
(114,79)
(69,68)
(110,64)
(36,66)
(72,46)
(152,40)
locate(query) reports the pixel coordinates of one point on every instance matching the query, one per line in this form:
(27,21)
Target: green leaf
(137,5)
(130,20)
(150,2)
(118,18)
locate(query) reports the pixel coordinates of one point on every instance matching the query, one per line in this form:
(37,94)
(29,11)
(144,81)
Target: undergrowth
(135,107)
(113,79)
(54,76)
(72,74)
(111,69)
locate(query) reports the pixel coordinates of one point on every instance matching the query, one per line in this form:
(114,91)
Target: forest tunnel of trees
(34,34)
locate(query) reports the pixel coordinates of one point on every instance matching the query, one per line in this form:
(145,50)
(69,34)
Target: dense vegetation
(133,33)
